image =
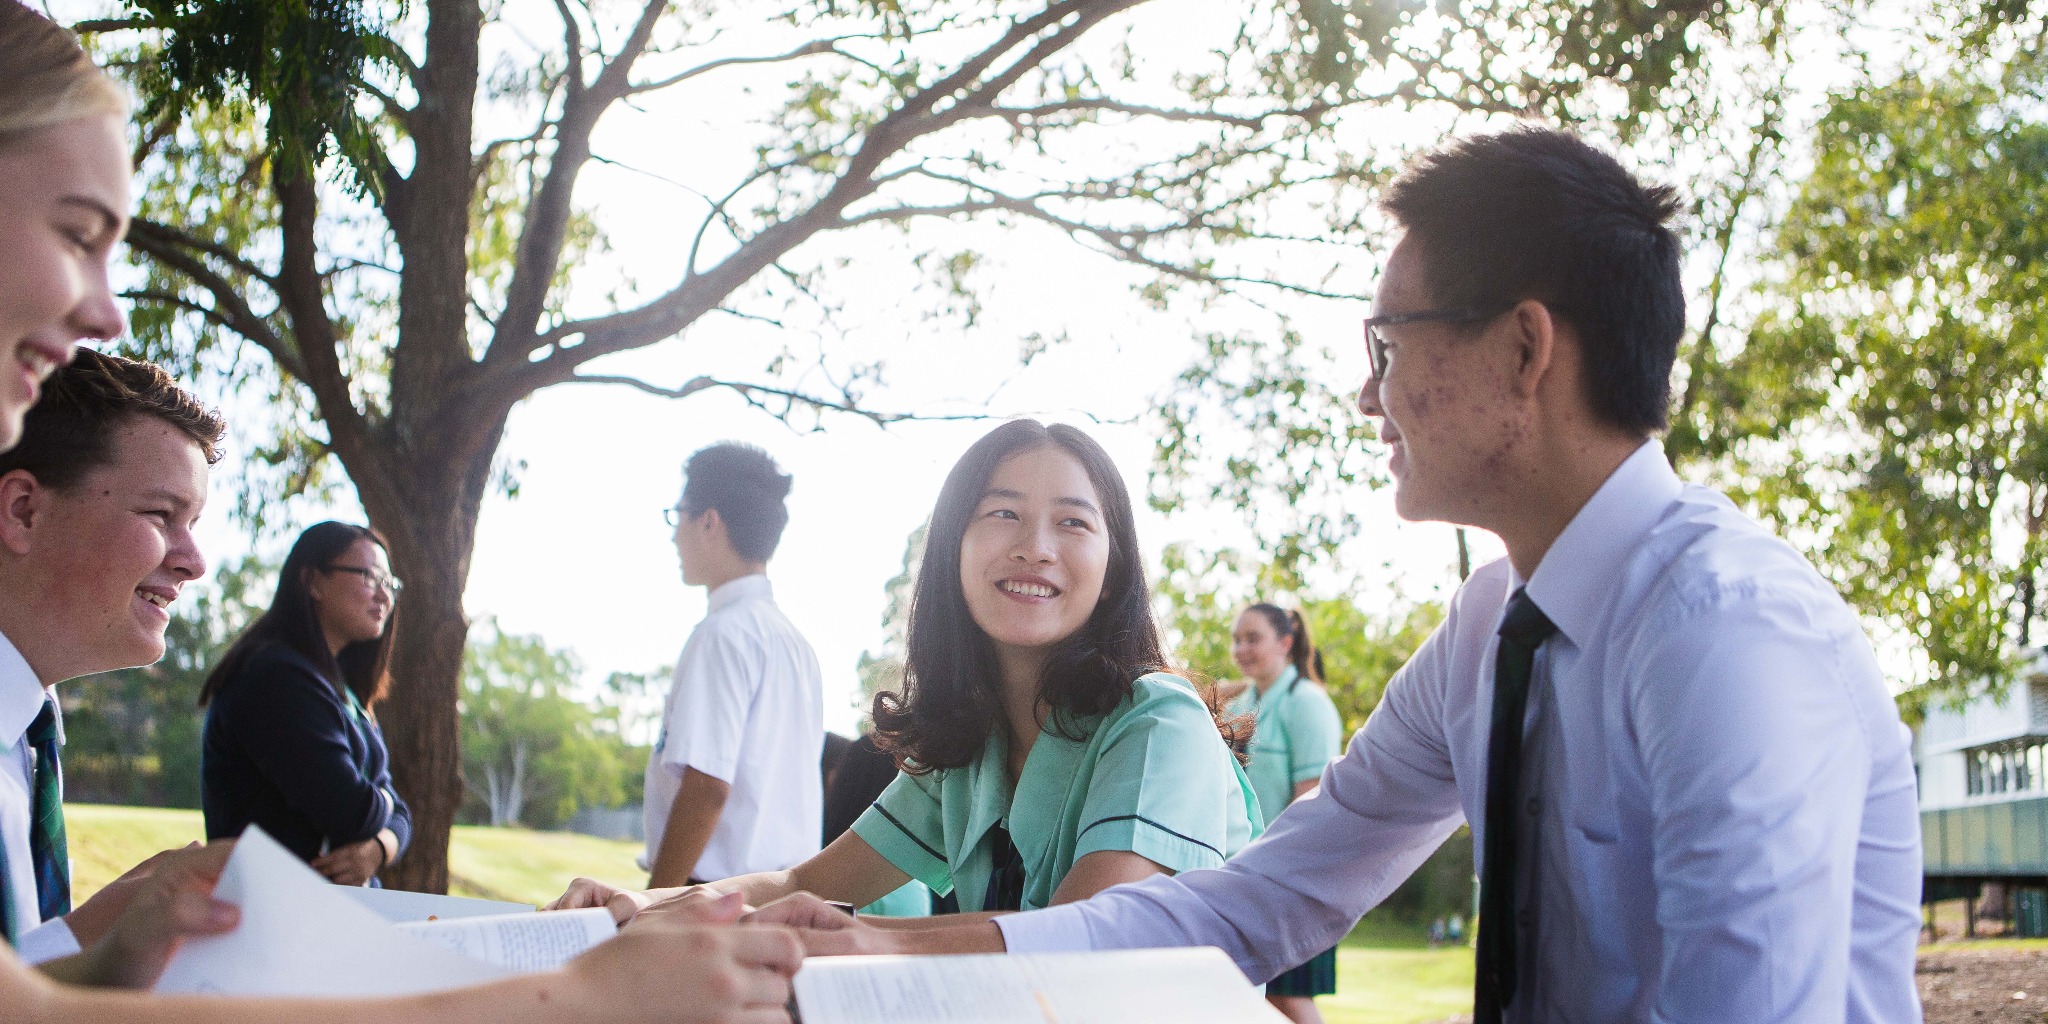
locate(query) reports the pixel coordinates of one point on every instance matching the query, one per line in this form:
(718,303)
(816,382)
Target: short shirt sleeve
(714,689)
(1165,787)
(906,826)
(1315,732)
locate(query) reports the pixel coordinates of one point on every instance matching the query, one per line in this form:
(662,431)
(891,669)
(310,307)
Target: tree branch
(299,286)
(93,25)
(1056,27)
(141,230)
(230,309)
(812,48)
(1019,115)
(750,392)
(547,216)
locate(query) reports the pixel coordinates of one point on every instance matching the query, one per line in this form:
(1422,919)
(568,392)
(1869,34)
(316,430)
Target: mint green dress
(1298,733)
(1152,777)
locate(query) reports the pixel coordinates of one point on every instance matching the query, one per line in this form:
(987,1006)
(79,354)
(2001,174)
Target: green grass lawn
(490,863)
(1386,974)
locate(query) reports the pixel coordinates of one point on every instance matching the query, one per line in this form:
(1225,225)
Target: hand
(354,864)
(825,930)
(90,921)
(690,965)
(697,904)
(174,902)
(623,903)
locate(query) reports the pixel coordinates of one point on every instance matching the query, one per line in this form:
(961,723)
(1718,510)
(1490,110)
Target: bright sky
(582,556)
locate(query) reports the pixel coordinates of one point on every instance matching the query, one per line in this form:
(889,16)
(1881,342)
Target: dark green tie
(46,847)
(1522,630)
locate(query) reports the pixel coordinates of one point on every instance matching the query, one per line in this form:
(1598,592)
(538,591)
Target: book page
(302,936)
(520,942)
(396,905)
(1150,986)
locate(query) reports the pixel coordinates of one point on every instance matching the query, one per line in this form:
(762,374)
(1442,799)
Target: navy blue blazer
(285,750)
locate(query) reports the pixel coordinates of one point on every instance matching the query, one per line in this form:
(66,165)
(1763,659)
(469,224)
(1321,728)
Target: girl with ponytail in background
(1296,733)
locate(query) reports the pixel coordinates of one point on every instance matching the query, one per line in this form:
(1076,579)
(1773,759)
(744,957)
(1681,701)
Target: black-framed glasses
(673,515)
(1376,346)
(375,577)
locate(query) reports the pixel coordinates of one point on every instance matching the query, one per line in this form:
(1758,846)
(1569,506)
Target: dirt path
(1984,985)
(1974,985)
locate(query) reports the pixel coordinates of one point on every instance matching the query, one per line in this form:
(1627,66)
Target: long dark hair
(1301,650)
(950,700)
(292,621)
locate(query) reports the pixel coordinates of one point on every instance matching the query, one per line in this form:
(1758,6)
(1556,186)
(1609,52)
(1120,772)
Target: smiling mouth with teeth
(1028,589)
(38,362)
(156,599)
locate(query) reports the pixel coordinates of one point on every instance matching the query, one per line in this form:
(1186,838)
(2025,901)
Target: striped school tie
(47,849)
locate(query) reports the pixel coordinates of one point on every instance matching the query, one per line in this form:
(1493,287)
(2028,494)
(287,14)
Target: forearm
(760,888)
(534,999)
(691,820)
(936,937)
(938,922)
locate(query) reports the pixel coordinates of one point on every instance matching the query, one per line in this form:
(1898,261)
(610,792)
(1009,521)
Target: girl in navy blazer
(290,742)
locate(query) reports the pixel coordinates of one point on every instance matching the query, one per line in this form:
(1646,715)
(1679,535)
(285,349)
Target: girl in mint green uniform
(1297,733)
(1046,755)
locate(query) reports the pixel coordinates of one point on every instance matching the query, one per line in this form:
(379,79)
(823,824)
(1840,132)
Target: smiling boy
(97,504)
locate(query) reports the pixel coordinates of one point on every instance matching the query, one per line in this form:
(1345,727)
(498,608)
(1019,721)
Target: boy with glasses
(1690,793)
(733,785)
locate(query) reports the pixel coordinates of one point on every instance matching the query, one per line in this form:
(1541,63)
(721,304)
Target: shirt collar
(747,588)
(1576,576)
(1281,684)
(21,694)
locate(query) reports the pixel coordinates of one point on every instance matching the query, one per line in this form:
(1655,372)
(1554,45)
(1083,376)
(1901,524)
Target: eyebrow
(110,221)
(1006,493)
(165,494)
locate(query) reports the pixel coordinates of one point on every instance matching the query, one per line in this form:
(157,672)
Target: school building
(1983,772)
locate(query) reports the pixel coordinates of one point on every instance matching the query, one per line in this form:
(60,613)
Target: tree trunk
(429,517)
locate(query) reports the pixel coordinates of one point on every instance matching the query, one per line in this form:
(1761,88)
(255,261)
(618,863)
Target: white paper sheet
(1147,986)
(520,942)
(397,906)
(302,936)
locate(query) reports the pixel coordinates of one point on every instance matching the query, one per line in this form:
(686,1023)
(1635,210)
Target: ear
(22,499)
(1535,340)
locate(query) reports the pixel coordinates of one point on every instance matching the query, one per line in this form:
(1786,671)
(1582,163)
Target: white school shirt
(21,699)
(1719,796)
(747,708)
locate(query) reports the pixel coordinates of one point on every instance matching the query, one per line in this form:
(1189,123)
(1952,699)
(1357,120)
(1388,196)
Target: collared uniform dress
(1152,777)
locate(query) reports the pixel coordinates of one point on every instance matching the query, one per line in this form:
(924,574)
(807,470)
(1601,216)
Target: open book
(302,936)
(1136,986)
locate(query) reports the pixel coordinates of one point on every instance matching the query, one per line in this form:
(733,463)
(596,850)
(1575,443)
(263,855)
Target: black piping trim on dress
(884,812)
(1141,818)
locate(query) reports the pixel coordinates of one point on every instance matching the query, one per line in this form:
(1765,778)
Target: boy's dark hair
(746,487)
(1534,213)
(70,431)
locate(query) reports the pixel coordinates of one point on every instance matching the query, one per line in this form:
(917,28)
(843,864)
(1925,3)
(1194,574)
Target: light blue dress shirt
(1720,804)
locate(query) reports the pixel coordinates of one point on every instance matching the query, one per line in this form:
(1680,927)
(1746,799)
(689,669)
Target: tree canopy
(366,219)
(1888,405)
